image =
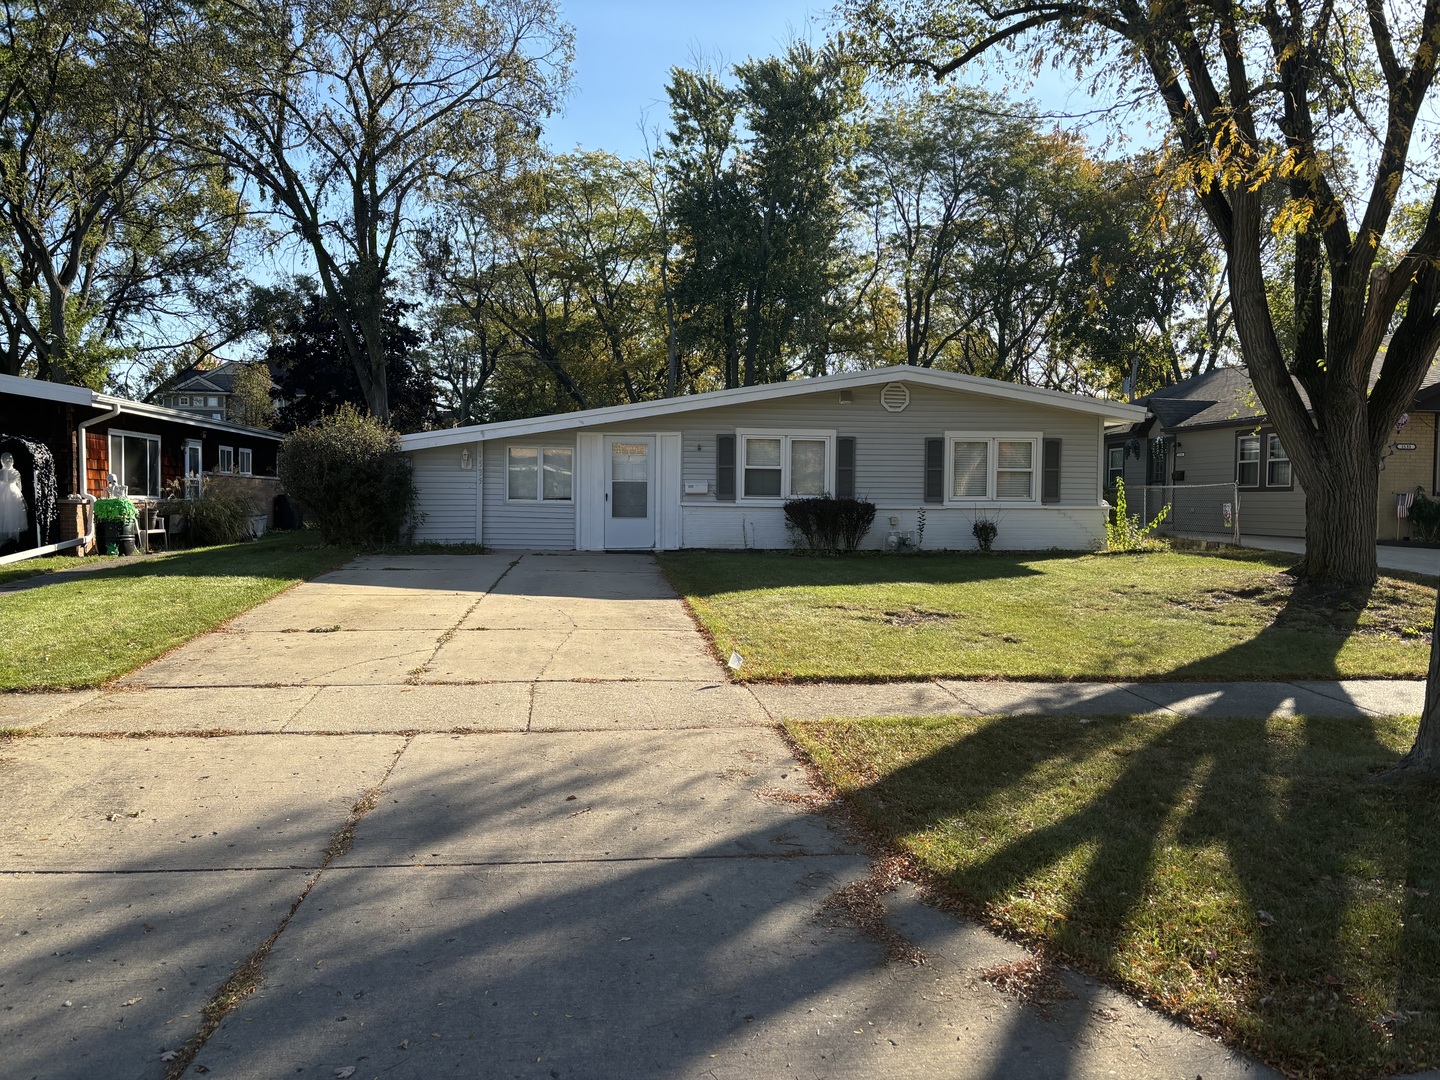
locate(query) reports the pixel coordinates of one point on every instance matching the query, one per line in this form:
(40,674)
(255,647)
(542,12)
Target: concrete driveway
(481,816)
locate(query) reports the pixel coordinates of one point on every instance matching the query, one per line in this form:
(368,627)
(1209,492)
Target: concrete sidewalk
(504,815)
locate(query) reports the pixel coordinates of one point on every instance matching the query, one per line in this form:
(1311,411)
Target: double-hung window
(135,461)
(246,460)
(777,465)
(225,460)
(540,474)
(1115,457)
(1247,461)
(1277,463)
(992,468)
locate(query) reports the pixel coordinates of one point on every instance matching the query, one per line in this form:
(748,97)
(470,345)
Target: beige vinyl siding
(545,526)
(1404,471)
(445,508)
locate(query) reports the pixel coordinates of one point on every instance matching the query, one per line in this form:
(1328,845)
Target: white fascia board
(944,380)
(48,391)
(180,416)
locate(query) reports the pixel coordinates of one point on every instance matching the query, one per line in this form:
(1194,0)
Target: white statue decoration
(13,518)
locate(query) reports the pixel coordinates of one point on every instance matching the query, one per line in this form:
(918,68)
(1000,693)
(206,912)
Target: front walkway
(503,815)
(1417,560)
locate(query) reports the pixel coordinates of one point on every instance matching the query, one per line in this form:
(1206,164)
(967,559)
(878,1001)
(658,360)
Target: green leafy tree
(1317,107)
(348,115)
(758,209)
(111,220)
(314,377)
(1319,103)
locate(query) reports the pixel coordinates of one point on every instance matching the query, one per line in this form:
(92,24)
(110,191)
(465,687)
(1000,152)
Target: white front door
(629,491)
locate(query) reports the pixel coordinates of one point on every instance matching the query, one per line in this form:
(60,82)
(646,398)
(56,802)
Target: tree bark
(1423,758)
(1341,516)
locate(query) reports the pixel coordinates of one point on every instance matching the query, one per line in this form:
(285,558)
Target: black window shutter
(1050,481)
(845,467)
(725,468)
(934,470)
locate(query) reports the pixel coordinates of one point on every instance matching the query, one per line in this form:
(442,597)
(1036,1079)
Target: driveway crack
(246,979)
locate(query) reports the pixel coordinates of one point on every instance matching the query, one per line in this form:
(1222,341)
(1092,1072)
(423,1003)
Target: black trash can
(287,513)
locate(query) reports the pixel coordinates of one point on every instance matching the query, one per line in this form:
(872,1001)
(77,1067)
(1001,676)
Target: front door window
(630,491)
(629,480)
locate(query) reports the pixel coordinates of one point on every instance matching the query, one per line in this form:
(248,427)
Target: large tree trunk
(1424,757)
(1341,516)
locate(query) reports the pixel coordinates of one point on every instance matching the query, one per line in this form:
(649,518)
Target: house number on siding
(1405,446)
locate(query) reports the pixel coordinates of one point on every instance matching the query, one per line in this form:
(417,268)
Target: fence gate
(1206,510)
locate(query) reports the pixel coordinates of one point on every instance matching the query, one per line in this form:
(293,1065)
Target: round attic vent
(895,397)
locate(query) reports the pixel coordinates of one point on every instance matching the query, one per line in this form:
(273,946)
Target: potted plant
(115,524)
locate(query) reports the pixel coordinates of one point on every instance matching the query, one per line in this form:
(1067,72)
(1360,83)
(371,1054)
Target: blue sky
(624,50)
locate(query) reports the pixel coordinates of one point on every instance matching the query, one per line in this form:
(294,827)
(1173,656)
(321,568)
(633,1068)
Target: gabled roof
(1227,396)
(217,380)
(80,395)
(1217,397)
(848,380)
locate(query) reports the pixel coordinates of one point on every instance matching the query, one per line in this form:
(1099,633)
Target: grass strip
(1243,875)
(82,630)
(1049,615)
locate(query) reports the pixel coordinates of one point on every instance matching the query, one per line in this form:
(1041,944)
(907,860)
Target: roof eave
(427,440)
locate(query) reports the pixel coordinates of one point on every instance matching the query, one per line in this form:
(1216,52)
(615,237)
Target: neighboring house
(1212,430)
(714,470)
(146,447)
(208,392)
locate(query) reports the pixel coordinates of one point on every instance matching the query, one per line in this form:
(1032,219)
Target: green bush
(114,510)
(1425,517)
(350,476)
(828,525)
(221,515)
(985,531)
(1128,533)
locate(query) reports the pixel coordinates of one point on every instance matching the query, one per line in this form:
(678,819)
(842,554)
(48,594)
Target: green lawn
(1240,874)
(85,629)
(43,565)
(1048,615)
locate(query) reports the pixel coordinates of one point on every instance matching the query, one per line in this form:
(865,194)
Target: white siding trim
(589,491)
(669,449)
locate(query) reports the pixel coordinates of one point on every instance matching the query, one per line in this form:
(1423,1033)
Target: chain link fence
(1195,509)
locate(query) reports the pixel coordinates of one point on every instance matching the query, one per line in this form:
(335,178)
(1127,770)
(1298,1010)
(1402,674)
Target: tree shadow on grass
(1238,872)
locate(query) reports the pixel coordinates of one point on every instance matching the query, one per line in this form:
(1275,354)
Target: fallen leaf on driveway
(132,1001)
(169,1055)
(345,1073)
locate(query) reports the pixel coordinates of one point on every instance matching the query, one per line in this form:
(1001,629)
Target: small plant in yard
(351,477)
(1127,533)
(114,510)
(1425,517)
(221,515)
(828,525)
(984,530)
